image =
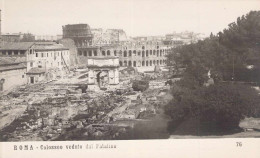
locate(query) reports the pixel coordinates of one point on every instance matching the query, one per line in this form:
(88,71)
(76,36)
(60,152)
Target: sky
(136,17)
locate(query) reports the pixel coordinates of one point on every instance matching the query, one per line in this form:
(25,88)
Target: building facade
(145,53)
(43,60)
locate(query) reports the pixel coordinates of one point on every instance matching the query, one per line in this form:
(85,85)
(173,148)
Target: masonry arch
(130,63)
(143,63)
(130,53)
(125,63)
(108,52)
(103,53)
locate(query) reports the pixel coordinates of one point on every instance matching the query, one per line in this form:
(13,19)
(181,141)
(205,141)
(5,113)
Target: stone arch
(129,63)
(130,53)
(147,63)
(90,53)
(157,62)
(147,53)
(125,53)
(125,63)
(134,64)
(103,53)
(95,53)
(143,47)
(115,53)
(85,53)
(160,62)
(139,63)
(143,53)
(151,63)
(154,52)
(108,52)
(134,52)
(143,63)
(151,52)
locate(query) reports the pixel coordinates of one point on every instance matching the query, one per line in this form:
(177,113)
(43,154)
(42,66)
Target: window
(103,53)
(95,53)
(36,54)
(31,64)
(42,54)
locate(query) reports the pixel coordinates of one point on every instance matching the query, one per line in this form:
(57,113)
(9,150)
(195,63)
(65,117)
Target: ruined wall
(69,43)
(13,78)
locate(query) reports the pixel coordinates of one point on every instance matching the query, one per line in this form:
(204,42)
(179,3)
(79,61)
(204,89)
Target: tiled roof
(35,45)
(9,63)
(12,60)
(16,46)
(12,67)
(36,70)
(49,47)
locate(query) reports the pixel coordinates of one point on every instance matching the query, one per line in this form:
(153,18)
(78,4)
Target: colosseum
(142,54)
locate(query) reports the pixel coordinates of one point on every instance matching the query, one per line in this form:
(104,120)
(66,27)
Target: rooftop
(36,70)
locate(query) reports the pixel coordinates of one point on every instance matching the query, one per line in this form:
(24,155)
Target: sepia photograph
(109,70)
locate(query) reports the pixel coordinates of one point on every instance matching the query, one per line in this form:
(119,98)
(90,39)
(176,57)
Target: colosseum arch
(143,53)
(108,52)
(125,53)
(103,53)
(130,63)
(139,63)
(134,64)
(125,63)
(90,53)
(147,53)
(134,53)
(130,53)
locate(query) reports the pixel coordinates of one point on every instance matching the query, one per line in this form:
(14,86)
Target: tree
(28,38)
(227,52)
(217,107)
